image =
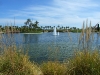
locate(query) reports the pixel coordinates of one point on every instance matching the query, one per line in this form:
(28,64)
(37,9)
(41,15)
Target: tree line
(33,27)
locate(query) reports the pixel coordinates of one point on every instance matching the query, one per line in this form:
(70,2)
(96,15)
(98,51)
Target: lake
(46,46)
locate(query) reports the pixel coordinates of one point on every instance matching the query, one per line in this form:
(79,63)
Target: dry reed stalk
(69,36)
(81,38)
(85,37)
(86,31)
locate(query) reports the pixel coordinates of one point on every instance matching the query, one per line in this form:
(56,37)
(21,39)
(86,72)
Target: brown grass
(53,68)
(13,62)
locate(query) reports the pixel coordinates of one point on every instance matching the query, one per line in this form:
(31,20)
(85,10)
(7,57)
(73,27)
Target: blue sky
(50,12)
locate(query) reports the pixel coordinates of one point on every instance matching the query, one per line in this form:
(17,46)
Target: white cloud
(64,12)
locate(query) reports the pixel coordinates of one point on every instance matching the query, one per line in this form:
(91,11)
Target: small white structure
(55,32)
(58,33)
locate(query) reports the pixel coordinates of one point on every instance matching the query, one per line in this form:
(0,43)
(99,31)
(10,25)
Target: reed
(13,61)
(84,64)
(86,61)
(86,38)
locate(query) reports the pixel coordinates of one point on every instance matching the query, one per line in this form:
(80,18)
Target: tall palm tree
(74,28)
(28,22)
(31,25)
(62,27)
(58,25)
(0,27)
(50,27)
(41,27)
(66,27)
(36,24)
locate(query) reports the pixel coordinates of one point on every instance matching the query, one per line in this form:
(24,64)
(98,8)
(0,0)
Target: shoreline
(32,33)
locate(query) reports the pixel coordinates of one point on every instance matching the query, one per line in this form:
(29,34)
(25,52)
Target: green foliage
(31,27)
(29,30)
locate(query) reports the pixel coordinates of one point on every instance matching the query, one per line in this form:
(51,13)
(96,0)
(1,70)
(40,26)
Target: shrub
(84,63)
(13,62)
(53,68)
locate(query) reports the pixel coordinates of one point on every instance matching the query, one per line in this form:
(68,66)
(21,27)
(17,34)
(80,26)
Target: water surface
(46,46)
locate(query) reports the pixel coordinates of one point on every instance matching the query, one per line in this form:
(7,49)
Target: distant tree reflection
(31,38)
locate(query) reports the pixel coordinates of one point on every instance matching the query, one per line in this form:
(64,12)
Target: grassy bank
(14,62)
(82,64)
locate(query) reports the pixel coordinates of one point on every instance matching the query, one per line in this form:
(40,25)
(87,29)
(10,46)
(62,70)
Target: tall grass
(84,64)
(86,38)
(53,68)
(13,61)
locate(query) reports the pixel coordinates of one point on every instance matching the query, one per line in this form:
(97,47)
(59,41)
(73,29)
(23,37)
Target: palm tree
(74,28)
(62,27)
(28,22)
(66,27)
(49,27)
(25,23)
(36,24)
(41,27)
(31,25)
(58,26)
(0,27)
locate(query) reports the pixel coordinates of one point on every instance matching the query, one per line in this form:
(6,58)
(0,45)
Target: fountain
(58,33)
(55,32)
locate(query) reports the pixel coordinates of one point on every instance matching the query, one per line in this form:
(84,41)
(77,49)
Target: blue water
(46,46)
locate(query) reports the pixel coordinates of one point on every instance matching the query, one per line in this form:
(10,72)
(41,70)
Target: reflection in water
(98,41)
(30,38)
